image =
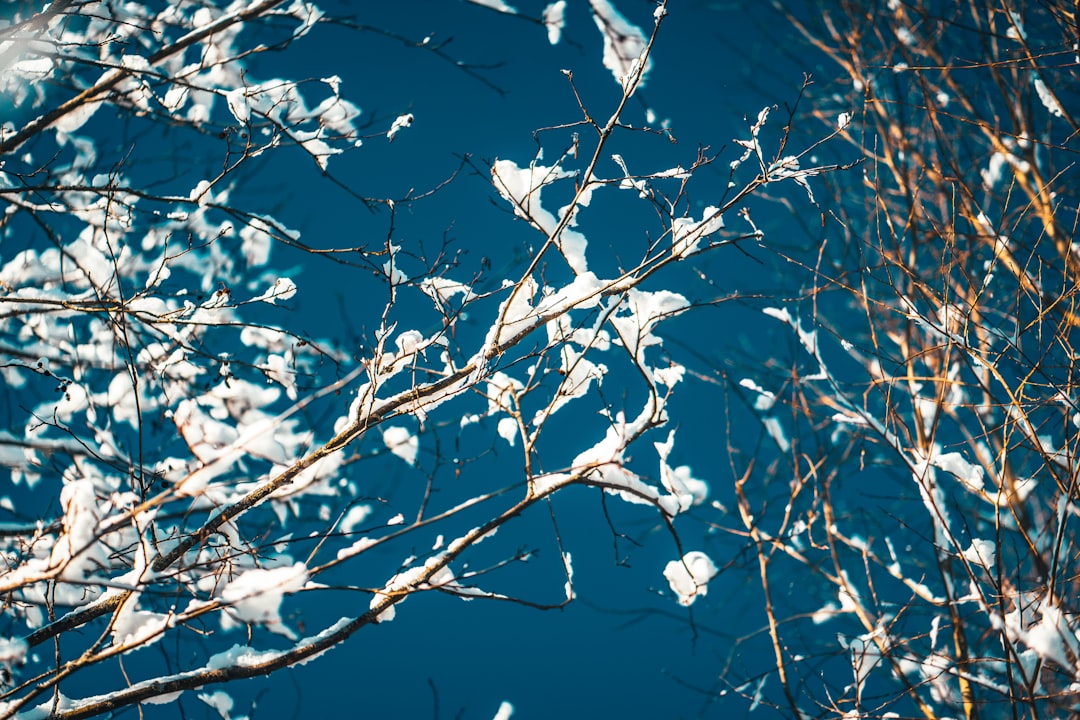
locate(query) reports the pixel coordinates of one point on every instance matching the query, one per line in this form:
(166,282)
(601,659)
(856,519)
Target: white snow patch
(238,105)
(508,429)
(498,5)
(282,289)
(1048,98)
(555,20)
(356,515)
(689,578)
(981,552)
(686,233)
(220,701)
(255,597)
(970,476)
(521,187)
(138,628)
(568,565)
(400,123)
(679,481)
(624,44)
(402,443)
